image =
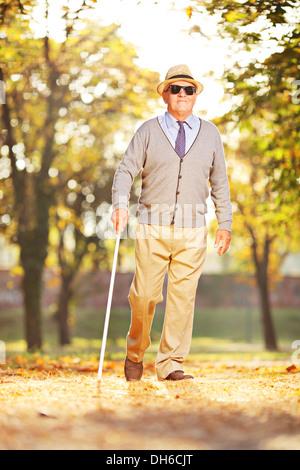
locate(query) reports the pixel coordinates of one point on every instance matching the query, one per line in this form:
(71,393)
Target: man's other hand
(224,237)
(119,219)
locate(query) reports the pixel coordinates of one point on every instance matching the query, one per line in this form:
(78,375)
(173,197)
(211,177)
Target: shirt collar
(172,121)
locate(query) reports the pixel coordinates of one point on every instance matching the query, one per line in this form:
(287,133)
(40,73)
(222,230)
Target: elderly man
(179,154)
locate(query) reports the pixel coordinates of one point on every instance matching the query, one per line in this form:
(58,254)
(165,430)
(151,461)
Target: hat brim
(163,85)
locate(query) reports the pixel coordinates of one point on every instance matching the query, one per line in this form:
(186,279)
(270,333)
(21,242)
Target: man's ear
(164,95)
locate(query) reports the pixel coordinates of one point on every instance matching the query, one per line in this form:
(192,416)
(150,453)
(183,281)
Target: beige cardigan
(174,190)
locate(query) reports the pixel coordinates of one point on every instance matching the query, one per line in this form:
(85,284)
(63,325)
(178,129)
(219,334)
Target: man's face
(181,103)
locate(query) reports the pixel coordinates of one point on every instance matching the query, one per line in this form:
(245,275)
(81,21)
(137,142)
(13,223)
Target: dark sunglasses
(175,89)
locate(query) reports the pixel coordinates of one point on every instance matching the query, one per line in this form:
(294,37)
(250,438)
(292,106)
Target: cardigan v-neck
(170,128)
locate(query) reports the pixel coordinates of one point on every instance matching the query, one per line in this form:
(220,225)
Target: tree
(85,180)
(263,223)
(55,94)
(268,119)
(7,7)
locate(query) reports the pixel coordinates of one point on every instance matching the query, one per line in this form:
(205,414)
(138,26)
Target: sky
(160,32)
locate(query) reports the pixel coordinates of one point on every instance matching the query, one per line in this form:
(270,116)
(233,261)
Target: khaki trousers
(182,252)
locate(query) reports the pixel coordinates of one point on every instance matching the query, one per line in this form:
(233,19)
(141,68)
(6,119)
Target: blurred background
(77,78)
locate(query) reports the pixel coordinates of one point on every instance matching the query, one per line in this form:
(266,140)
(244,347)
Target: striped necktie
(180,140)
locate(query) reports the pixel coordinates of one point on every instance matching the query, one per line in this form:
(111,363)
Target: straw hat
(176,73)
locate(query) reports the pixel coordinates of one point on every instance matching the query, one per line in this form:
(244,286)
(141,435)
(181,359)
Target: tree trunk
(261,266)
(26,239)
(32,291)
(62,315)
(267,321)
(69,271)
(33,197)
(33,246)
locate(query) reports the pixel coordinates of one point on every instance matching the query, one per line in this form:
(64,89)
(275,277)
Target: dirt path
(227,406)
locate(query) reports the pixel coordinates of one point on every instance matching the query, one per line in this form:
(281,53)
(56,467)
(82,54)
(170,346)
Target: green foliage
(265,162)
(264,169)
(70,103)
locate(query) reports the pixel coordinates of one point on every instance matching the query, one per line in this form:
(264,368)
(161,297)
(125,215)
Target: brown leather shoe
(178,375)
(133,370)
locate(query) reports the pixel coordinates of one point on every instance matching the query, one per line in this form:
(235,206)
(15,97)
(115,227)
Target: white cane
(108,308)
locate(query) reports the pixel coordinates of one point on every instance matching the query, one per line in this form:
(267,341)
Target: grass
(229,332)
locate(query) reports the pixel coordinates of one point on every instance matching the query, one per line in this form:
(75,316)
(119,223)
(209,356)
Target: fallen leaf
(291,368)
(44,414)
